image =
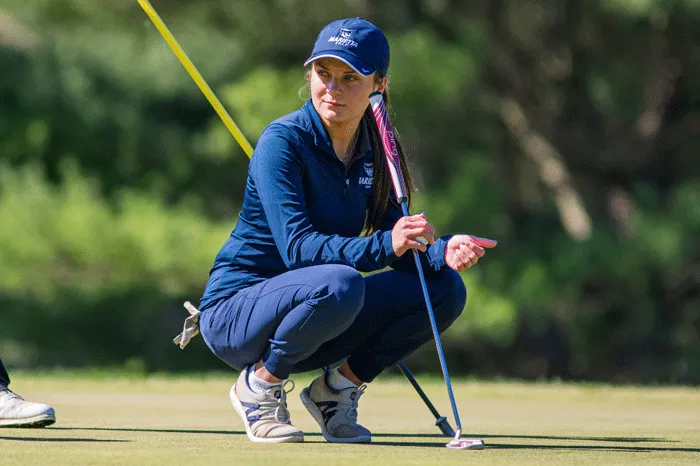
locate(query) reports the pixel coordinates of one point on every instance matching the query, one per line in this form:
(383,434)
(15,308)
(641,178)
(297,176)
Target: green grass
(165,419)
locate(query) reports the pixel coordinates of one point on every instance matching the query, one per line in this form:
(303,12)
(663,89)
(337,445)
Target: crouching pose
(285,294)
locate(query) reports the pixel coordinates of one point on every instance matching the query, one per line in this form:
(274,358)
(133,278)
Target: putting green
(188,419)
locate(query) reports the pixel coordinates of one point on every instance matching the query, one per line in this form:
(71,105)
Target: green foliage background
(568,130)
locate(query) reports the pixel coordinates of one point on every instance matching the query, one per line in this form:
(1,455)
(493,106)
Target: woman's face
(340,94)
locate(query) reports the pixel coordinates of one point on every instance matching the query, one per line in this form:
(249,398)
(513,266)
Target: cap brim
(353,62)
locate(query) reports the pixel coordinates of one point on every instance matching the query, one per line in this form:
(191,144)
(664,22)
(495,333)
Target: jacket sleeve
(277,171)
(433,260)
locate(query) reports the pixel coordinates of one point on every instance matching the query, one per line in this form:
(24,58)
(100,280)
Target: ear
(379,86)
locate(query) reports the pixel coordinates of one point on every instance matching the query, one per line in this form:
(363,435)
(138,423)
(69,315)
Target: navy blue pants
(309,318)
(4,378)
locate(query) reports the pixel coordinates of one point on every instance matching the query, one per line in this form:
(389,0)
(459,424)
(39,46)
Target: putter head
(458,443)
(466,444)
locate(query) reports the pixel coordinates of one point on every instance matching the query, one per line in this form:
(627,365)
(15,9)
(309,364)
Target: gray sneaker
(16,412)
(265,415)
(335,411)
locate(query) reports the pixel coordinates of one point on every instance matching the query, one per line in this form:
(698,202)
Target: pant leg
(4,376)
(285,319)
(393,322)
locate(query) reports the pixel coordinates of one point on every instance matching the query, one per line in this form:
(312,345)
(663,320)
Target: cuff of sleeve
(388,247)
(436,253)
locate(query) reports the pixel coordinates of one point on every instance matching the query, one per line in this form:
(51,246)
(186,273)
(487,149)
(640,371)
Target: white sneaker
(265,415)
(15,412)
(335,411)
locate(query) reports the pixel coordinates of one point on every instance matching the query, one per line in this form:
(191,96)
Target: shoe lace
(7,393)
(351,408)
(276,408)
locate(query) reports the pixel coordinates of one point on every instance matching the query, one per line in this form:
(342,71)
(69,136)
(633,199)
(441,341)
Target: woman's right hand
(408,230)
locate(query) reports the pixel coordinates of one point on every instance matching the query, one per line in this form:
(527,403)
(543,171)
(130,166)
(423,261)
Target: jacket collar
(323,141)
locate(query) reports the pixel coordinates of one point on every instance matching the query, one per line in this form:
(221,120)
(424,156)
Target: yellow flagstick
(198,79)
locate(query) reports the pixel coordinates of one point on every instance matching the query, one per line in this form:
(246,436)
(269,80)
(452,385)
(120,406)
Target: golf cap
(357,42)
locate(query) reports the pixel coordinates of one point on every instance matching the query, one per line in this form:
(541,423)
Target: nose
(332,85)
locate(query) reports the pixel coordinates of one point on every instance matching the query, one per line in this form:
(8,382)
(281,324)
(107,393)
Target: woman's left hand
(463,251)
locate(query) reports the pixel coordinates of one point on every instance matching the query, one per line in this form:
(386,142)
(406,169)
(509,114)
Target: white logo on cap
(343,39)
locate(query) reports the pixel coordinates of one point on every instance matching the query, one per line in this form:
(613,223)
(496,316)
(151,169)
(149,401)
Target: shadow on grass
(66,439)
(233,432)
(534,446)
(497,446)
(164,431)
(379,435)
(589,439)
(443,440)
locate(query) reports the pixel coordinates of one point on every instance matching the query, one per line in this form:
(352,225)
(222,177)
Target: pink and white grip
(386,133)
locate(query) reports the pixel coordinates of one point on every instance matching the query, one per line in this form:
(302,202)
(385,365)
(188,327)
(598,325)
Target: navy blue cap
(357,42)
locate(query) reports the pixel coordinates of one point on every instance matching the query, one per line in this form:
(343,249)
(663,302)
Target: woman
(285,294)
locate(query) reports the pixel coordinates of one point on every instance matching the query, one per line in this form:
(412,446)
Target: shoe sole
(241,412)
(318,416)
(41,420)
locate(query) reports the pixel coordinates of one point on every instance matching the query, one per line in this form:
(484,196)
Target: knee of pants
(344,292)
(451,294)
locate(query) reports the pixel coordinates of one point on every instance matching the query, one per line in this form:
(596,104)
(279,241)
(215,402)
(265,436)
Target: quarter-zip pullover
(302,207)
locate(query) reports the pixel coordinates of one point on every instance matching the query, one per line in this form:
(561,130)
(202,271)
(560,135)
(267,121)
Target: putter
(248,149)
(386,133)
(440,421)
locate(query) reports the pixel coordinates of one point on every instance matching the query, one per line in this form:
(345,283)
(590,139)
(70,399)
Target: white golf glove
(190,328)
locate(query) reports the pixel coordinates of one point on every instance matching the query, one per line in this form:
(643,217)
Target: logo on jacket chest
(368,175)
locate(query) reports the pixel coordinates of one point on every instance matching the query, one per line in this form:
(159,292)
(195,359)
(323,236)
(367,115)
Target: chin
(333,117)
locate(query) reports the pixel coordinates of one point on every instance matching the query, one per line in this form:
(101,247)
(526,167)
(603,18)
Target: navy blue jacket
(303,208)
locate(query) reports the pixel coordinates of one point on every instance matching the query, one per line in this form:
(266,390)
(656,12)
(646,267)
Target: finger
(456,263)
(414,244)
(412,219)
(483,242)
(416,232)
(462,256)
(461,265)
(467,252)
(418,220)
(425,232)
(471,259)
(478,250)
(469,256)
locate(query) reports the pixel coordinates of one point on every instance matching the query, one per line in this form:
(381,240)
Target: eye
(322,73)
(351,77)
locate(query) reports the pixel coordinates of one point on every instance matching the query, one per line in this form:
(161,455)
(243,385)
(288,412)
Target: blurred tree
(569,130)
